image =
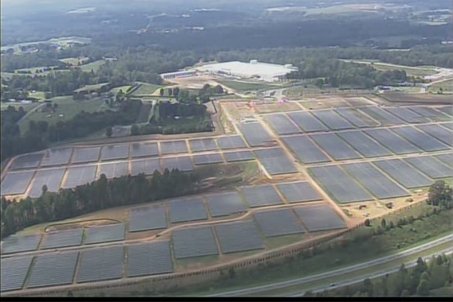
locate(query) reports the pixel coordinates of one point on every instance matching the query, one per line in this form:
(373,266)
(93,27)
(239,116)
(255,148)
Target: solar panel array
(194,242)
(339,185)
(305,150)
(204,144)
(15,244)
(149,259)
(307,122)
(298,192)
(13,272)
(255,134)
(104,233)
(238,156)
(403,173)
(430,166)
(203,159)
(101,264)
(64,238)
(187,209)
(53,269)
(144,149)
(56,157)
(111,152)
(76,176)
(320,218)
(364,144)
(332,120)
(27,161)
(281,124)
(374,181)
(231,142)
(147,218)
(182,163)
(238,237)
(172,147)
(261,195)
(275,161)
(16,182)
(223,204)
(51,178)
(146,166)
(113,170)
(278,222)
(335,146)
(420,139)
(86,154)
(356,118)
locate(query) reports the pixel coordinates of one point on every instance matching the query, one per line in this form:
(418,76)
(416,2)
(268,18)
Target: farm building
(253,70)
(177,74)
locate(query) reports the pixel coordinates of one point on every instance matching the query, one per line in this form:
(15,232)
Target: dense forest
(40,134)
(98,195)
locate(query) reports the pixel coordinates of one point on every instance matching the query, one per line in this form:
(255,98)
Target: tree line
(416,281)
(94,196)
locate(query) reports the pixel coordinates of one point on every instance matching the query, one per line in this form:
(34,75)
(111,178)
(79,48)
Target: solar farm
(315,162)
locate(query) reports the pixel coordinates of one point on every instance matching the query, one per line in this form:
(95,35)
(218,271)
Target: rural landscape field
(197,148)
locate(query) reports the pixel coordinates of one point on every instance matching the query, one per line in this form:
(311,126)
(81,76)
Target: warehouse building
(253,70)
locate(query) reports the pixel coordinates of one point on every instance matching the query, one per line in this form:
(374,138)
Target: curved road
(446,241)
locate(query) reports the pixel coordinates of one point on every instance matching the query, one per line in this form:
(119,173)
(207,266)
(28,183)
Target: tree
(367,222)
(368,287)
(422,288)
(161,92)
(135,130)
(231,273)
(44,189)
(109,132)
(383,223)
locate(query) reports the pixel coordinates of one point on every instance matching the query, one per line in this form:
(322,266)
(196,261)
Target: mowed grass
(92,66)
(40,95)
(246,86)
(447,86)
(66,106)
(418,71)
(146,89)
(74,61)
(27,107)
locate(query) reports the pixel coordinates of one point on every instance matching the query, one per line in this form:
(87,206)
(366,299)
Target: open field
(146,89)
(419,71)
(27,107)
(446,86)
(92,66)
(66,107)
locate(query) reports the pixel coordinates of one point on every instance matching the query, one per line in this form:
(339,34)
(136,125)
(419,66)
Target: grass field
(245,86)
(447,87)
(116,89)
(92,66)
(74,61)
(27,107)
(146,89)
(40,95)
(66,106)
(90,87)
(418,71)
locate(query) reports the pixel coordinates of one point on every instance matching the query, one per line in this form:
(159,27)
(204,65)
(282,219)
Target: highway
(446,242)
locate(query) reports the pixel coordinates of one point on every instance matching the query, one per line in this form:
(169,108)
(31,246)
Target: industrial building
(253,70)
(235,69)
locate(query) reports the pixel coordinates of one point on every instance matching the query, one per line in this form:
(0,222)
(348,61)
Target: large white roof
(266,71)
